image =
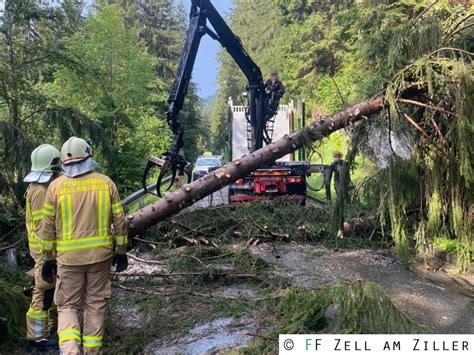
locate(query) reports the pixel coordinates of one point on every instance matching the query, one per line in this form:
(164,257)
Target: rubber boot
(43,345)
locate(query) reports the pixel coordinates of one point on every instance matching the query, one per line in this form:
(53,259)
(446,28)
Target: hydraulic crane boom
(203,12)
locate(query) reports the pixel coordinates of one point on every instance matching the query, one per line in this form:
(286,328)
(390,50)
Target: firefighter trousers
(87,288)
(41,318)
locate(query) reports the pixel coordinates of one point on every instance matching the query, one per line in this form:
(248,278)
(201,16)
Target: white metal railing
(281,108)
(239,108)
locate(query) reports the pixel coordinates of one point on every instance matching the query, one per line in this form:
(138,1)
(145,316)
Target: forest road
(218,198)
(441,308)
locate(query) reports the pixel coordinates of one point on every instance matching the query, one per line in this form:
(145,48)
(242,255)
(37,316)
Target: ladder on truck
(269,129)
(241,134)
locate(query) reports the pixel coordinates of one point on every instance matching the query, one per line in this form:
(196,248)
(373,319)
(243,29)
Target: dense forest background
(105,76)
(417,156)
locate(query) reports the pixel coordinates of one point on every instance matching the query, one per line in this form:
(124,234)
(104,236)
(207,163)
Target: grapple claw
(173,179)
(168,163)
(189,173)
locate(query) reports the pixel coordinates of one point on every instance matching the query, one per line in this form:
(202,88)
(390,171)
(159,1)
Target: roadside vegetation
(104,74)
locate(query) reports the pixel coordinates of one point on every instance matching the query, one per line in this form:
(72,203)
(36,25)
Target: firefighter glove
(48,271)
(121,262)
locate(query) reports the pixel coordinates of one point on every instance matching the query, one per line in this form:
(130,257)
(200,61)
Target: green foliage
(348,308)
(231,86)
(160,25)
(402,192)
(444,164)
(12,303)
(110,80)
(31,38)
(446,244)
(207,106)
(282,217)
(359,308)
(105,77)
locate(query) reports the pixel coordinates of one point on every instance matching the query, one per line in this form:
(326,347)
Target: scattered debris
(231,313)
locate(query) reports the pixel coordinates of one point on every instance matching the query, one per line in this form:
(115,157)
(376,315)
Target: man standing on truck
(84,227)
(274,90)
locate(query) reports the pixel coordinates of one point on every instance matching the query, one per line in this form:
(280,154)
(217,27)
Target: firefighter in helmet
(274,90)
(84,226)
(41,318)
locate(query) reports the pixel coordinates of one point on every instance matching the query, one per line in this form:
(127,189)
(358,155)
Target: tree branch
(423,12)
(450,49)
(421,104)
(424,134)
(456,32)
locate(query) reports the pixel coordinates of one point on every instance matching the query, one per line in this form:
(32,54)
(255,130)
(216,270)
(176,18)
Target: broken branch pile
(282,220)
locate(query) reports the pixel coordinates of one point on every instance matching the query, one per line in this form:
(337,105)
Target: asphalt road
(218,198)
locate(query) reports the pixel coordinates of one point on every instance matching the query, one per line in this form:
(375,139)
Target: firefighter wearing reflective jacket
(41,318)
(84,225)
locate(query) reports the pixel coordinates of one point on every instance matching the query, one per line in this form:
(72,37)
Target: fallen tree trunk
(189,194)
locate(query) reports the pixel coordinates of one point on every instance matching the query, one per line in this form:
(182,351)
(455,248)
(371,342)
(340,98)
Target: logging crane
(269,180)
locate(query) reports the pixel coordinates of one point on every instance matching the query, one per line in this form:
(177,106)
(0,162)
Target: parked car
(204,165)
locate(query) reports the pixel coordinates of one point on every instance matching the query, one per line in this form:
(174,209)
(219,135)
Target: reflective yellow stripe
(66,216)
(30,217)
(48,210)
(89,341)
(103,213)
(84,243)
(121,240)
(117,208)
(37,215)
(34,242)
(37,314)
(48,213)
(69,334)
(47,245)
(28,208)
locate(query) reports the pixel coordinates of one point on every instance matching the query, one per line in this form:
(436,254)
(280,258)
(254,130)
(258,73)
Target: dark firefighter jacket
(277,87)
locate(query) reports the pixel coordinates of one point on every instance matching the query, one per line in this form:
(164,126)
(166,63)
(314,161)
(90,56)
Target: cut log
(229,173)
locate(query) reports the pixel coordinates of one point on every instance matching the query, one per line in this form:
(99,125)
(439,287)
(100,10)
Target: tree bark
(189,194)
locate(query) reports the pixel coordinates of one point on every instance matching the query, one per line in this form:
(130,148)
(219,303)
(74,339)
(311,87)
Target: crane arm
(232,44)
(201,12)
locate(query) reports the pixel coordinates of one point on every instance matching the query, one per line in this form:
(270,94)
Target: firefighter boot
(43,345)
